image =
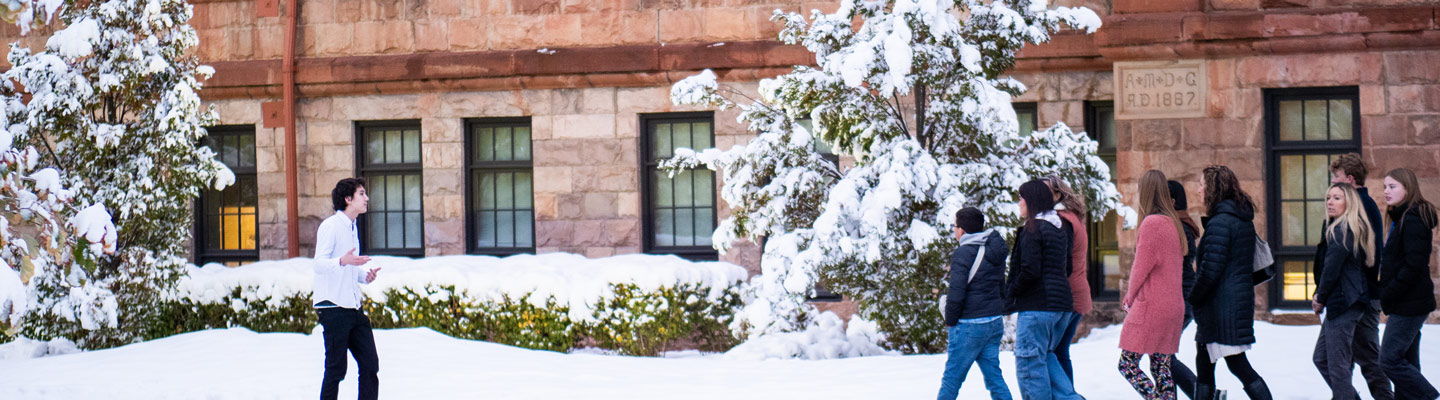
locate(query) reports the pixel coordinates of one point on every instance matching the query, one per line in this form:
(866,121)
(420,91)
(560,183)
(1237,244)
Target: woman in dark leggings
(1223,298)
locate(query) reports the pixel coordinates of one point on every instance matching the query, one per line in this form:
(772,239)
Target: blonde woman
(1342,291)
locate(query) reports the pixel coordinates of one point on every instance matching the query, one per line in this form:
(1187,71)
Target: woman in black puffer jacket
(1223,298)
(1406,293)
(1039,289)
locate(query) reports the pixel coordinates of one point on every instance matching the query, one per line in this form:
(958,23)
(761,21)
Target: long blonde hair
(1356,222)
(1155,199)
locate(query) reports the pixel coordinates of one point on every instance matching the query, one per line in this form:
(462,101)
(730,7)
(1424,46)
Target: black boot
(1205,392)
(1257,390)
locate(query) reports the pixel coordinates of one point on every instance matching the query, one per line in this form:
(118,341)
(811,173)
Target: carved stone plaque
(1161,89)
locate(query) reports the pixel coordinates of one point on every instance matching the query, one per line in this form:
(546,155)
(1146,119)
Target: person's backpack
(1264,268)
(979,257)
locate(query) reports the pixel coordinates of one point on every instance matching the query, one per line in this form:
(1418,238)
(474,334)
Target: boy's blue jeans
(975,341)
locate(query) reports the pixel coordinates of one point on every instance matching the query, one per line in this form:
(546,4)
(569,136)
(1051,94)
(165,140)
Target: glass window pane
(248,195)
(485,147)
(664,189)
(231,158)
(1291,120)
(377,230)
(247,150)
(414,224)
(704,226)
(393,141)
(704,187)
(395,230)
(487,191)
(505,228)
(374,147)
(684,193)
(1293,229)
(505,191)
(684,227)
(701,137)
(1317,175)
(230,227)
(682,136)
(663,142)
(1297,281)
(1106,126)
(412,192)
(1110,261)
(215,234)
(247,230)
(665,227)
(1316,122)
(1341,120)
(525,229)
(1027,122)
(523,192)
(504,149)
(522,143)
(1314,220)
(487,229)
(412,146)
(394,193)
(1292,182)
(376,191)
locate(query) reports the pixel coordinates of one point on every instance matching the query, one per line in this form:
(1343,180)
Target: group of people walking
(1184,272)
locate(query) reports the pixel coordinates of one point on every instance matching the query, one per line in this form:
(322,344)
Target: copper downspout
(292,200)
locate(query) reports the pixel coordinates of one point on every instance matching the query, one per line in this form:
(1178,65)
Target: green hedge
(631,321)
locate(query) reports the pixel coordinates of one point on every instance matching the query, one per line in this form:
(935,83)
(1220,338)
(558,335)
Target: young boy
(338,275)
(974,306)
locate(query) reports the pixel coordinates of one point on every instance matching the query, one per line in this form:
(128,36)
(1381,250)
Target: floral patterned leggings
(1162,388)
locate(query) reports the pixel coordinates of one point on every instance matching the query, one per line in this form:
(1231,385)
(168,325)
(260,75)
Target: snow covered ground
(423,364)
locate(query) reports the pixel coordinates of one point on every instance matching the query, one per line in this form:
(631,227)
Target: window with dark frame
(389,161)
(1029,117)
(225,220)
(679,209)
(500,218)
(1305,129)
(1104,252)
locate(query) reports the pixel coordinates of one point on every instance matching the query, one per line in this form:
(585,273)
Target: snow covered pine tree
(113,106)
(917,96)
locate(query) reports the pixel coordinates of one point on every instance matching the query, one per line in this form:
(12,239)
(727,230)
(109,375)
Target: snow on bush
(23,348)
(826,337)
(636,304)
(573,280)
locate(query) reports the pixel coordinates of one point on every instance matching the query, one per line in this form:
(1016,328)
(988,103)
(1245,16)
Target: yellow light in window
(237,228)
(1298,285)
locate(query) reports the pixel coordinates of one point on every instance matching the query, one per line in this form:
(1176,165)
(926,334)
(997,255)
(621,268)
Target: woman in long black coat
(1406,293)
(1223,298)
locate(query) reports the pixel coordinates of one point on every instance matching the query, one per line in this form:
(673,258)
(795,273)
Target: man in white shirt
(338,275)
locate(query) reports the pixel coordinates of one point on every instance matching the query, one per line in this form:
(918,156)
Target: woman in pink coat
(1154,301)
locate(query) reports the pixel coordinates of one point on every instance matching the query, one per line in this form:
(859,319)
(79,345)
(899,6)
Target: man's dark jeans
(347,329)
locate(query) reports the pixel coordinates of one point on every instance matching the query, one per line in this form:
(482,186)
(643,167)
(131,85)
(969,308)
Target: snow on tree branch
(916,94)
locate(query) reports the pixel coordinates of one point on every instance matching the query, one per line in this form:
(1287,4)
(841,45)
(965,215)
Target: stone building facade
(568,100)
